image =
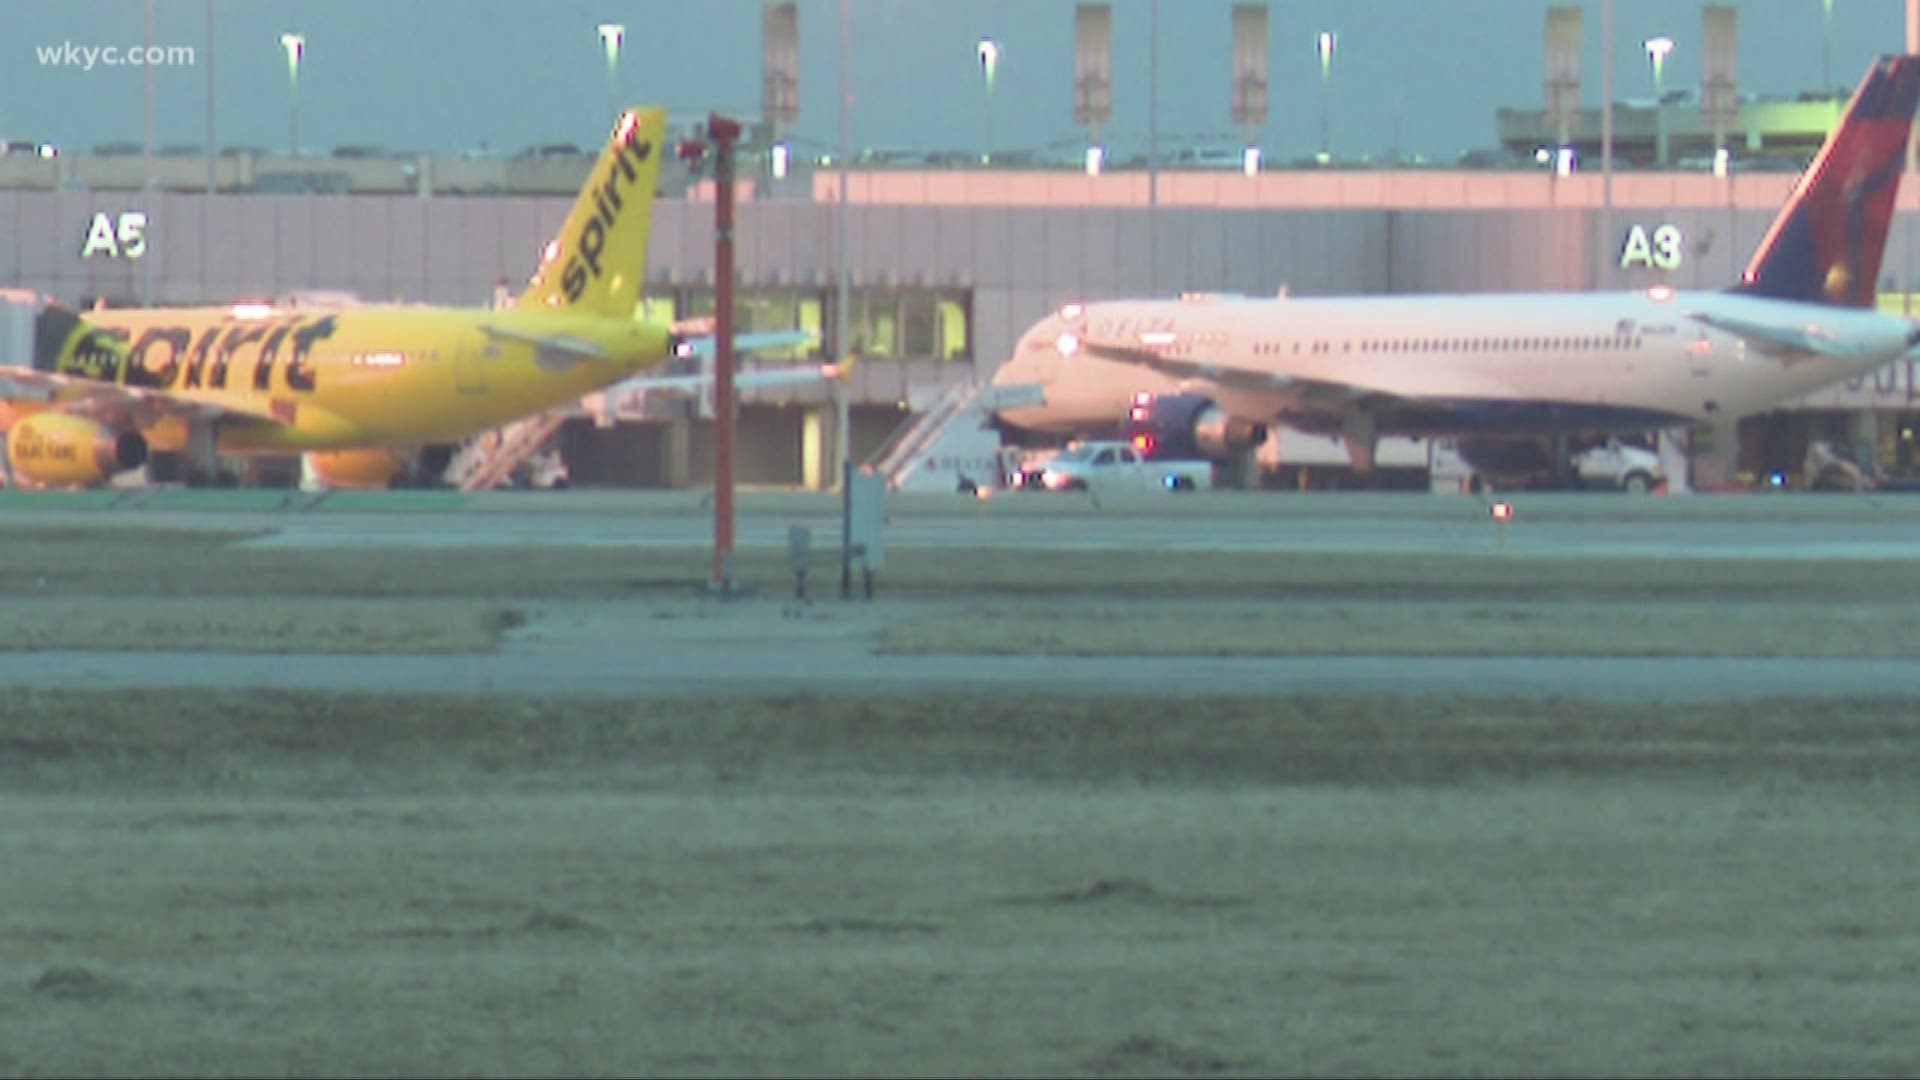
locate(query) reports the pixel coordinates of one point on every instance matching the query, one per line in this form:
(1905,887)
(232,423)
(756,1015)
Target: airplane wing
(553,352)
(1780,341)
(702,348)
(757,379)
(138,405)
(1370,386)
(557,352)
(706,345)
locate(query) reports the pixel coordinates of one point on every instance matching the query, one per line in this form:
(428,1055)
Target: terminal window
(910,323)
(883,323)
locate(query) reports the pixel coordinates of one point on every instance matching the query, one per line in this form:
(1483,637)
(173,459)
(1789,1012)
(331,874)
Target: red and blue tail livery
(1826,245)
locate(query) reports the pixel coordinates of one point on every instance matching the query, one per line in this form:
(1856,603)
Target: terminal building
(947,268)
(948,260)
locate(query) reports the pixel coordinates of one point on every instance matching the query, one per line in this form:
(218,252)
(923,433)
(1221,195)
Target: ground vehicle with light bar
(1110,466)
(1615,465)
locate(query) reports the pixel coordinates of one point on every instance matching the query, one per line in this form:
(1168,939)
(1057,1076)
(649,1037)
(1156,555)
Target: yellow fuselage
(363,377)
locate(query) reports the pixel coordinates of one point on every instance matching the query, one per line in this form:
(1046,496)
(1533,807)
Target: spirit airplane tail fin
(1826,245)
(595,265)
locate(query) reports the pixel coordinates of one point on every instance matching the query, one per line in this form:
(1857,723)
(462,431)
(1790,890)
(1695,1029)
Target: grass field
(254,624)
(1416,628)
(250,883)
(265,885)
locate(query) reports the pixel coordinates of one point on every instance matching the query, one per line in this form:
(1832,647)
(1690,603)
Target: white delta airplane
(1204,376)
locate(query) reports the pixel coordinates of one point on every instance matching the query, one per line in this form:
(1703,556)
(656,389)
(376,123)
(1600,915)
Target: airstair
(913,436)
(952,443)
(489,459)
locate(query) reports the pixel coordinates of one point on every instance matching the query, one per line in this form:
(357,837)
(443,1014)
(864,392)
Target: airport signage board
(1662,247)
(111,236)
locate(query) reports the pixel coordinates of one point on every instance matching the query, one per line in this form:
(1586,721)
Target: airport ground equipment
(1102,466)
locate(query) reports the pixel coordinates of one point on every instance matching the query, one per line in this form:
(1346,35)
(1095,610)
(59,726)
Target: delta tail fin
(1826,245)
(595,265)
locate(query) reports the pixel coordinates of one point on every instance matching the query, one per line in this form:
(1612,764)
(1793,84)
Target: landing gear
(1241,472)
(1563,475)
(201,458)
(1361,436)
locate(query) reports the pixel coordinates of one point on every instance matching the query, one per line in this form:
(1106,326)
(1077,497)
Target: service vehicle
(1099,465)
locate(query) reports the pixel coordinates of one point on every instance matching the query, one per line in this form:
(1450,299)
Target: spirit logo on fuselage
(583,257)
(175,358)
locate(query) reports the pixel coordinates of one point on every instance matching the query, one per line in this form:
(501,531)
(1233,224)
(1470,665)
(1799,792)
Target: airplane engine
(60,450)
(359,469)
(1188,426)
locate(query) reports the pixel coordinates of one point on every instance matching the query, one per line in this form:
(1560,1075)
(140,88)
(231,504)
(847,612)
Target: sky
(446,76)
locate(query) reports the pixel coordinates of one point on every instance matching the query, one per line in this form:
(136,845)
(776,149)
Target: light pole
(296,47)
(1601,250)
(1326,44)
(611,34)
(842,418)
(146,163)
(1153,147)
(989,63)
(1826,47)
(1657,50)
(213,152)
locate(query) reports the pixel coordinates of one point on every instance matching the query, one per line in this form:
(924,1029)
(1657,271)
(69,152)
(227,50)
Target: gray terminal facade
(944,279)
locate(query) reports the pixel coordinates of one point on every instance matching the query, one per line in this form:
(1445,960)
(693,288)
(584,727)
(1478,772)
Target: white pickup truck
(1614,464)
(1117,466)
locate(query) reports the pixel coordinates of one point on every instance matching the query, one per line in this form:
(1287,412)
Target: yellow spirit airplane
(360,386)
